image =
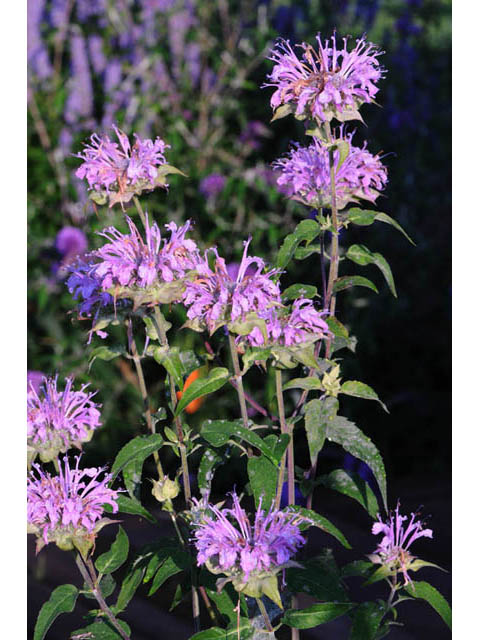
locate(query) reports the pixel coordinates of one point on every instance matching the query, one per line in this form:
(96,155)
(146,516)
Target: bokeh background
(191,72)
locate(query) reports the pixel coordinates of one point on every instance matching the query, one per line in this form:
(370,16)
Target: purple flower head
(326,83)
(393,550)
(303,324)
(119,166)
(85,286)
(58,420)
(214,298)
(34,378)
(227,542)
(212,185)
(67,509)
(305,172)
(127,260)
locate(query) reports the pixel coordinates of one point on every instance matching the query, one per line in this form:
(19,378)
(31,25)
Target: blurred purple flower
(326,83)
(79,103)
(97,56)
(226,541)
(252,133)
(214,298)
(212,185)
(34,380)
(70,242)
(87,9)
(305,171)
(37,54)
(68,508)
(58,420)
(393,550)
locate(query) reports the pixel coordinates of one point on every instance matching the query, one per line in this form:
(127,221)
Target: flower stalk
(238,380)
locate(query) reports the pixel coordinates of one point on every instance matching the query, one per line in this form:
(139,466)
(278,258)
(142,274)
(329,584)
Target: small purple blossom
(58,420)
(129,261)
(326,83)
(305,172)
(68,508)
(226,540)
(108,164)
(303,324)
(214,298)
(393,549)
(212,185)
(70,242)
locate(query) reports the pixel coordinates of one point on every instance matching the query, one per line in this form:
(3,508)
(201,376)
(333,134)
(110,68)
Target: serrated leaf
(317,414)
(309,383)
(307,230)
(425,591)
(322,523)
(361,390)
(299,291)
(353,440)
(351,485)
(263,480)
(112,559)
(361,255)
(138,448)
(102,630)
(169,357)
(202,386)
(345,282)
(62,600)
(316,615)
(366,621)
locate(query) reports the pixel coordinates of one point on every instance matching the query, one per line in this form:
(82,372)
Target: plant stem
(264,613)
(139,209)
(143,390)
(162,336)
(208,605)
(90,578)
(284,428)
(238,380)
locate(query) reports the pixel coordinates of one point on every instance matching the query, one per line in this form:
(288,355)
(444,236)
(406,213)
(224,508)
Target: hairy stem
(238,380)
(89,575)
(289,454)
(143,390)
(264,613)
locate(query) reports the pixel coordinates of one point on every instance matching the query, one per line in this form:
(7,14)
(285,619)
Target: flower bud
(165,489)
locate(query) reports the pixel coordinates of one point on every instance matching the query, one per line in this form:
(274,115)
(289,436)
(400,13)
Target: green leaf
(131,582)
(169,357)
(361,217)
(316,615)
(102,630)
(206,469)
(319,577)
(176,562)
(202,386)
(366,621)
(357,568)
(132,506)
(383,217)
(218,432)
(361,390)
(322,523)
(345,282)
(305,252)
(62,600)
(307,230)
(137,449)
(349,436)
(351,485)
(317,414)
(425,591)
(166,169)
(299,291)
(105,353)
(117,554)
(231,633)
(308,383)
(361,255)
(263,479)
(336,327)
(107,587)
(343,150)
